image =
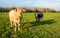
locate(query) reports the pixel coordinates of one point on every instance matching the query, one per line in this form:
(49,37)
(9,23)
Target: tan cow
(15,16)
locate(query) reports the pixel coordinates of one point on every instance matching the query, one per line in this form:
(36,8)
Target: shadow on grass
(32,24)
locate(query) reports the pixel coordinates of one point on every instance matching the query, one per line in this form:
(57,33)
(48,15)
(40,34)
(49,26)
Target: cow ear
(16,10)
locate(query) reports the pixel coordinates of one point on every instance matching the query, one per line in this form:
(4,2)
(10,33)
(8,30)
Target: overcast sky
(55,4)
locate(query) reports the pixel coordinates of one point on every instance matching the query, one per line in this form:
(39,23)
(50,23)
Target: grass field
(48,28)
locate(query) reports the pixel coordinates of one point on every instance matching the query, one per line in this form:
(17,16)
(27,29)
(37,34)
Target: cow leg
(11,23)
(41,19)
(18,26)
(38,19)
(15,26)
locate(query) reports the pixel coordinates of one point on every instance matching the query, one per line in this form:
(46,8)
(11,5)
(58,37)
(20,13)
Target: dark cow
(38,16)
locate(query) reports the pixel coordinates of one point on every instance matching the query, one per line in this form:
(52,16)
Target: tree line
(29,10)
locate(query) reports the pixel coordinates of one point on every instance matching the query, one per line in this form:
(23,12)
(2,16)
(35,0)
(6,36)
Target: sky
(55,4)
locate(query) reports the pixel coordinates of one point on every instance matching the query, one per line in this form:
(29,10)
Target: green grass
(48,28)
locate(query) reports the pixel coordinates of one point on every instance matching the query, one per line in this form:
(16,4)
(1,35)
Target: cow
(15,17)
(38,16)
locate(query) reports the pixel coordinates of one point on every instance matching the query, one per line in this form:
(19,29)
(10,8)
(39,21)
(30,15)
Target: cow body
(38,16)
(15,17)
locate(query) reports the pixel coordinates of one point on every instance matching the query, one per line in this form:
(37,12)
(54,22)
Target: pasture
(48,28)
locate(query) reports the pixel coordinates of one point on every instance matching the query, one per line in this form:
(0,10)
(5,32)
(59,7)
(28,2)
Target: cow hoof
(11,27)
